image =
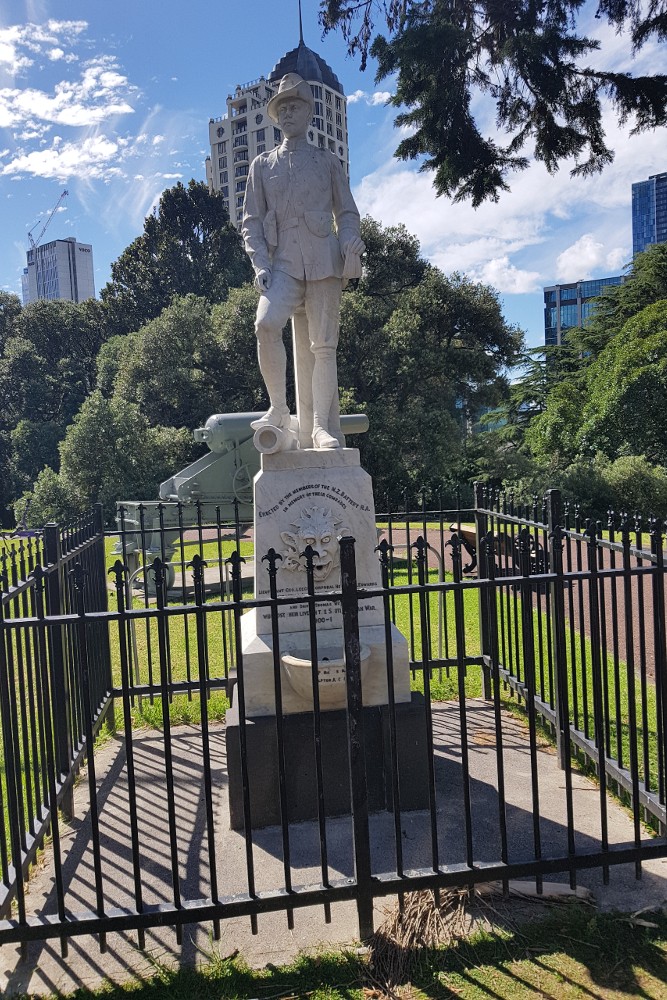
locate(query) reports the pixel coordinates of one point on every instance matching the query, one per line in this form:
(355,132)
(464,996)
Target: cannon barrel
(223,432)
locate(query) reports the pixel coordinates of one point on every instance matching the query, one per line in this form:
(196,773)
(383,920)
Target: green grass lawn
(573,953)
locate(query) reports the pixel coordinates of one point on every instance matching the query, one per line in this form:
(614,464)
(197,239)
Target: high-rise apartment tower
(61,269)
(649,212)
(246,130)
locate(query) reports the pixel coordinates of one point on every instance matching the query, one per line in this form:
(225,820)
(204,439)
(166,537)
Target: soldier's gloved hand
(354,245)
(263,279)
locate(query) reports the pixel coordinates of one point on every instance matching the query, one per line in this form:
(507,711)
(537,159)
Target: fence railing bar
(272,558)
(355,740)
(120,574)
(528,650)
(524,522)
(176,687)
(163,646)
(490,619)
(198,566)
(384,549)
(270,901)
(367,593)
(646,756)
(42,665)
(660,649)
(309,555)
(236,559)
(420,546)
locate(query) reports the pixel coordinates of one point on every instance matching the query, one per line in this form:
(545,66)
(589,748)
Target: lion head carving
(319,528)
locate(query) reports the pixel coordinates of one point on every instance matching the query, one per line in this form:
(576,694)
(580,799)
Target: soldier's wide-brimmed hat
(291,86)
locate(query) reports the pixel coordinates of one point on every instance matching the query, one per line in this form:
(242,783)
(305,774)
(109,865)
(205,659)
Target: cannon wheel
(133,564)
(242,485)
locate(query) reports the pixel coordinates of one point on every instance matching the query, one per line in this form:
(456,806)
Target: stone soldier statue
(293,195)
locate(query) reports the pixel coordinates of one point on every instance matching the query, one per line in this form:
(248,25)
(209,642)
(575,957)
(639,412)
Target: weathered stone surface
(313,497)
(258,666)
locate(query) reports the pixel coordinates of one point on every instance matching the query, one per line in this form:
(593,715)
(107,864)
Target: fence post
(355,735)
(660,638)
(555,525)
(60,692)
(100,588)
(483,556)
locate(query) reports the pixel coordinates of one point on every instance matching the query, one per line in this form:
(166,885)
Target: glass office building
(570,305)
(61,269)
(649,212)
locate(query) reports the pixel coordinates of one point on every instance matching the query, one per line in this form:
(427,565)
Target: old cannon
(214,489)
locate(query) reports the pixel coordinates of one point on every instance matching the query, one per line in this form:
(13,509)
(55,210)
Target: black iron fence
(595,607)
(502,606)
(55,684)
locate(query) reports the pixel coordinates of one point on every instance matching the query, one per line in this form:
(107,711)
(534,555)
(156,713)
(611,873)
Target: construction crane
(35,243)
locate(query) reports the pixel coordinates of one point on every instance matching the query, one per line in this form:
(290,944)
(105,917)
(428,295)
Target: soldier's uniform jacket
(293,195)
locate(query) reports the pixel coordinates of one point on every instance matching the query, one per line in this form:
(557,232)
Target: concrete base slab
(46,972)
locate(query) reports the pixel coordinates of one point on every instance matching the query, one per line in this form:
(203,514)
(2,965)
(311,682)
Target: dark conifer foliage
(529,57)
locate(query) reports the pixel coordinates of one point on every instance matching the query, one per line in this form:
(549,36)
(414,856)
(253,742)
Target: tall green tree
(531,59)
(644,284)
(10,309)
(171,366)
(392,262)
(193,360)
(188,246)
(47,369)
(109,452)
(573,422)
(422,363)
(624,411)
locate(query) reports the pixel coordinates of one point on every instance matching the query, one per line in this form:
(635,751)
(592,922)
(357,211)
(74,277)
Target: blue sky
(111,101)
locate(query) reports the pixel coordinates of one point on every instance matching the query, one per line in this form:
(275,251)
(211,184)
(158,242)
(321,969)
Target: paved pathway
(46,971)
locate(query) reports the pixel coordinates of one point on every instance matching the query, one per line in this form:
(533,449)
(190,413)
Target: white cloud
(157,139)
(20,42)
(11,61)
(377,98)
(586,256)
(99,93)
(581,259)
(504,276)
(94,157)
(32,130)
(618,258)
(57,55)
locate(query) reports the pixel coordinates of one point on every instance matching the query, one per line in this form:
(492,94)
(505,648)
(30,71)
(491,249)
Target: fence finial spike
(384,548)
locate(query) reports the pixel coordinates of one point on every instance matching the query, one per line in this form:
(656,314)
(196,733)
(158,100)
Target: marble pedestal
(304,497)
(308,497)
